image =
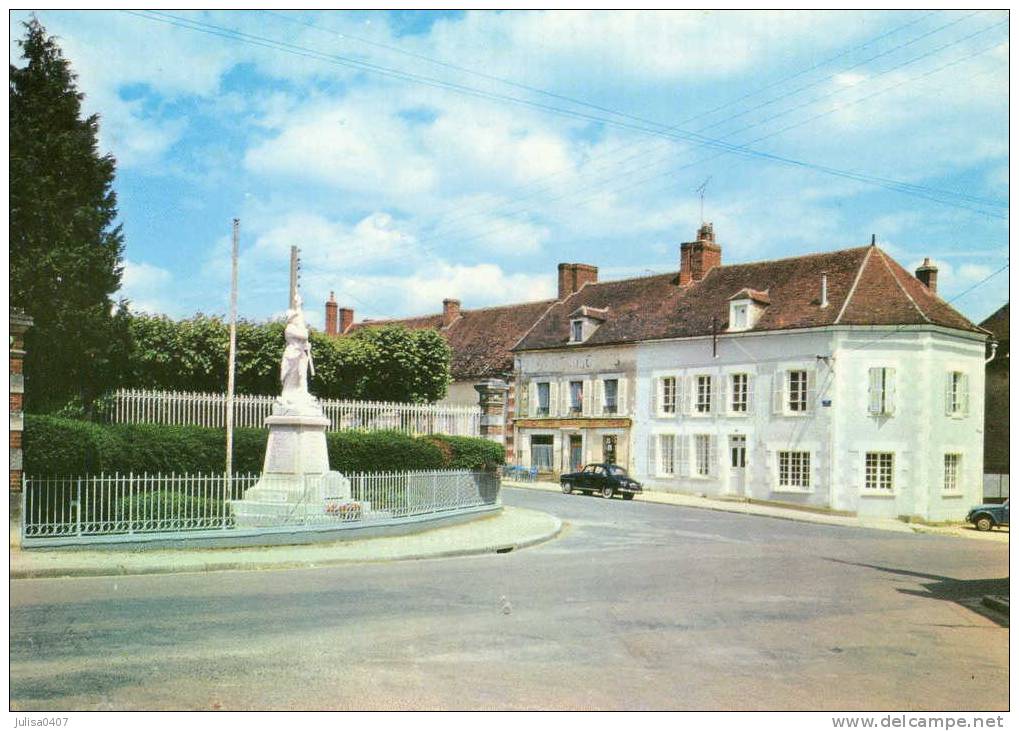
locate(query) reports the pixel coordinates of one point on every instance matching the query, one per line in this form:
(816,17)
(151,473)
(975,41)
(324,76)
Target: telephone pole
(230,368)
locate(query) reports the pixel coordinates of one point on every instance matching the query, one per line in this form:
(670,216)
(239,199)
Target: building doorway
(738,464)
(608,448)
(576,453)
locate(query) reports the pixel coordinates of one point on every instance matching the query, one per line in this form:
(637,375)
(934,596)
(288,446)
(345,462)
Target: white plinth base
(279,499)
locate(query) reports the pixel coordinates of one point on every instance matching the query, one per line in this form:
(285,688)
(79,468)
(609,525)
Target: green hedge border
(58,446)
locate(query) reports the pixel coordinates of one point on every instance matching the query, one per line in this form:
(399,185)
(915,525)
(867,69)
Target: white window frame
(702,457)
(734,393)
(548,398)
(578,409)
(605,396)
(665,402)
(803,401)
(952,486)
(703,394)
(879,472)
(666,466)
(800,464)
(957,394)
(881,391)
(576,331)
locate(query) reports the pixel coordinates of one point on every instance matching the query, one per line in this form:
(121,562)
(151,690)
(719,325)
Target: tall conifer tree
(66,246)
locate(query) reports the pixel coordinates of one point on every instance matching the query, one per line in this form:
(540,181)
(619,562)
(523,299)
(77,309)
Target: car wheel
(608,491)
(567,488)
(627,496)
(984,522)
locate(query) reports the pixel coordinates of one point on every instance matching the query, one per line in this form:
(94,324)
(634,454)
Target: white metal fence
(133,507)
(133,406)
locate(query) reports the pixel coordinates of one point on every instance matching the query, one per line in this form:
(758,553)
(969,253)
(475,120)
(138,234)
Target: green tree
(65,246)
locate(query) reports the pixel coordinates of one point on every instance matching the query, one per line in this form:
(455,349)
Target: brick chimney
(331,315)
(574,276)
(697,258)
(346,319)
(450,311)
(928,274)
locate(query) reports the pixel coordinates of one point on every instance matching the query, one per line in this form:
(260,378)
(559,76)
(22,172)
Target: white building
(834,380)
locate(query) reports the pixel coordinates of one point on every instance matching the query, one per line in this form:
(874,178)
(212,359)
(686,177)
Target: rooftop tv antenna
(702,189)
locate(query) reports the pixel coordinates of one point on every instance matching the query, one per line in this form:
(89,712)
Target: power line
(298,50)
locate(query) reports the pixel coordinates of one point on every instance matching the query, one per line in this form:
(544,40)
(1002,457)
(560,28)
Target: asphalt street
(636,606)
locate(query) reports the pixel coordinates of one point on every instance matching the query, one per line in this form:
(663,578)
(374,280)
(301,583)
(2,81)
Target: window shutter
(656,385)
(713,456)
(948,393)
(750,393)
(815,471)
(771,465)
(857,466)
(716,404)
(723,390)
(598,396)
(778,392)
(811,389)
(564,398)
(532,398)
(621,387)
(683,395)
(553,398)
(586,397)
(652,460)
(874,391)
(889,390)
(964,386)
(683,454)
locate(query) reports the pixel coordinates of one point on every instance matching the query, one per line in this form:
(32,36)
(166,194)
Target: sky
(414,156)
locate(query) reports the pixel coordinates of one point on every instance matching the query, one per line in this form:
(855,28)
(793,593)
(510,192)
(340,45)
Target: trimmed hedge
(58,446)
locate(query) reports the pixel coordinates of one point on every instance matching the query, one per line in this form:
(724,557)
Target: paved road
(636,606)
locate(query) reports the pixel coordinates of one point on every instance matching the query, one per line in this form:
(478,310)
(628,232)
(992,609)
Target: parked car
(985,517)
(603,478)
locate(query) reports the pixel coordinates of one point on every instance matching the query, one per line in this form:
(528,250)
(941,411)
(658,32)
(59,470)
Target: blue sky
(417,155)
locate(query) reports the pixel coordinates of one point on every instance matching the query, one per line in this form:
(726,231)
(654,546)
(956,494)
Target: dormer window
(745,307)
(584,321)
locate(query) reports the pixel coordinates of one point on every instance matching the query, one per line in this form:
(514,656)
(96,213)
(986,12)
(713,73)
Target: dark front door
(608,448)
(576,452)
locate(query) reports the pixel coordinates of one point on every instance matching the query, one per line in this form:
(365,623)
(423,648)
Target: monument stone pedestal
(296,486)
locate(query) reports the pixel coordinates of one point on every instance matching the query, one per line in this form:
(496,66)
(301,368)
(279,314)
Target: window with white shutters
(881,391)
(669,395)
(703,455)
(739,393)
(667,452)
(544,393)
(610,395)
(957,394)
(576,397)
(702,394)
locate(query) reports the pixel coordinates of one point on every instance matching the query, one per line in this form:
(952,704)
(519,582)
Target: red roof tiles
(865,287)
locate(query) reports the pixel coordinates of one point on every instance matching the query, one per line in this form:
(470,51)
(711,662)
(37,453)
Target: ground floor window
(608,448)
(879,471)
(952,462)
(702,454)
(541,452)
(667,452)
(794,469)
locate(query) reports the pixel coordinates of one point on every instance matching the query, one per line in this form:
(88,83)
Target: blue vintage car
(985,517)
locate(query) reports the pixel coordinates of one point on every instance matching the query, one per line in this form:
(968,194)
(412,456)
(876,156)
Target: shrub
(470,453)
(58,446)
(160,503)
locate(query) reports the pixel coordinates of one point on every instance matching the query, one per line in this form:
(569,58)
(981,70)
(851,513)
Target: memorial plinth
(297,486)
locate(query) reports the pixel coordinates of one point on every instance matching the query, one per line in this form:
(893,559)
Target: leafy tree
(388,363)
(65,255)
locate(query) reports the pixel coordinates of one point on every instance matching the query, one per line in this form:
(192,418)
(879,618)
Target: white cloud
(147,288)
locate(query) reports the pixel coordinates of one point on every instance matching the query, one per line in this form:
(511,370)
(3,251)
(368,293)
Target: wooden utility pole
(230,368)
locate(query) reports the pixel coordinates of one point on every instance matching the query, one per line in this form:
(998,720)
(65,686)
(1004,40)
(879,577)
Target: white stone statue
(297,360)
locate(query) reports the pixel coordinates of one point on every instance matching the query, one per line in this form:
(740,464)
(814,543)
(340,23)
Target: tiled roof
(865,287)
(480,339)
(997,323)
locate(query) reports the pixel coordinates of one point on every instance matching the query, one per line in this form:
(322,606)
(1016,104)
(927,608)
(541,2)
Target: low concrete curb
(513,529)
(782,513)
